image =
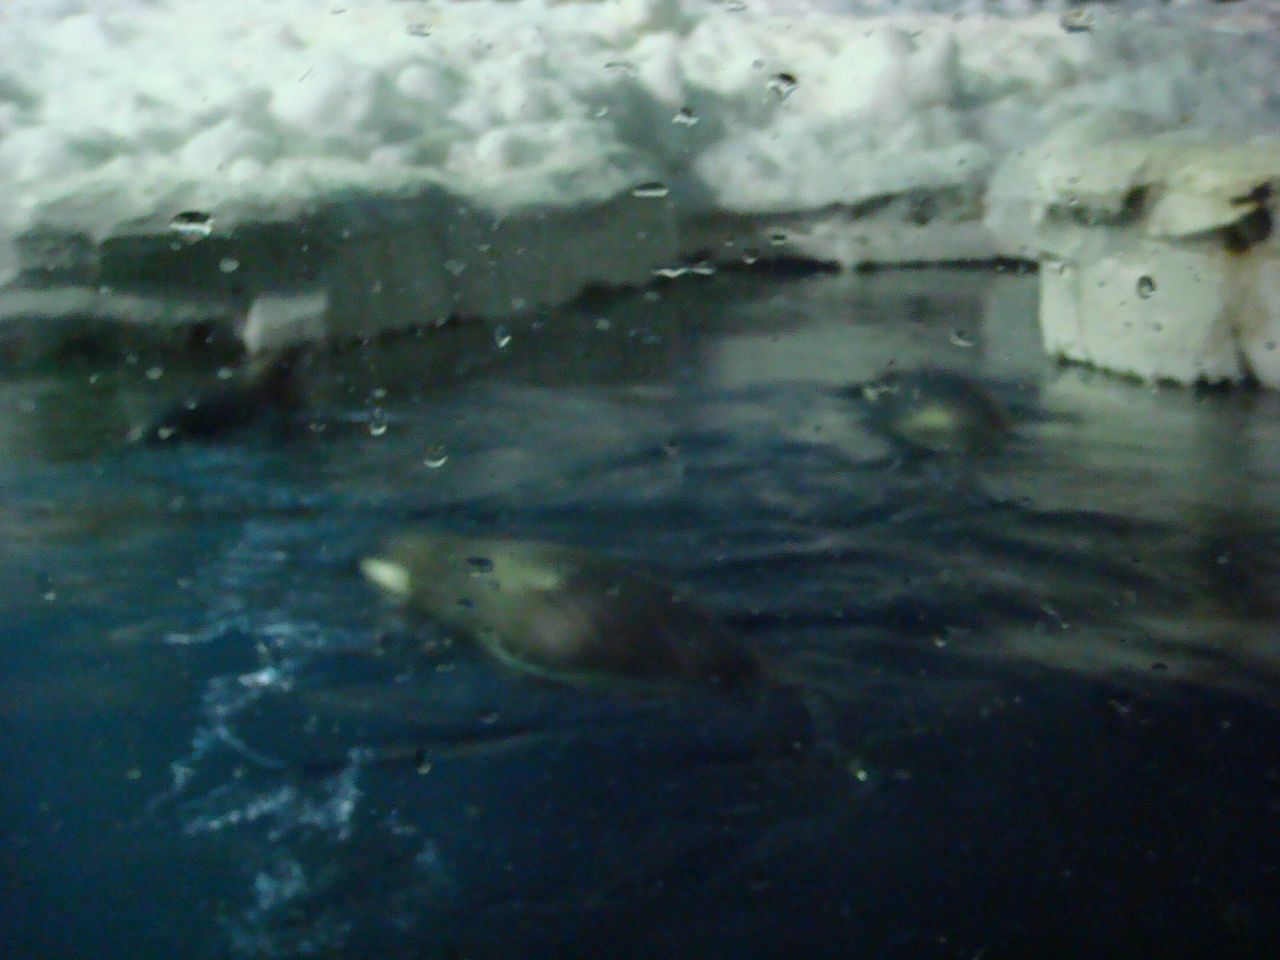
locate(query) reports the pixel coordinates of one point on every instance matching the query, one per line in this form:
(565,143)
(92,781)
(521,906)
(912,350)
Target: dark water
(1028,709)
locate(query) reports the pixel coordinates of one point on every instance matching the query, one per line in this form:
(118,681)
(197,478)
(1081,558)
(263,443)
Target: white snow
(509,136)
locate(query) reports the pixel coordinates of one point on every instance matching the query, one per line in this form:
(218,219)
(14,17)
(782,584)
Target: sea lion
(561,613)
(933,411)
(267,385)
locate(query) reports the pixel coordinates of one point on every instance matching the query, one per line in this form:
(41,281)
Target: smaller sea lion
(933,411)
(268,384)
(561,613)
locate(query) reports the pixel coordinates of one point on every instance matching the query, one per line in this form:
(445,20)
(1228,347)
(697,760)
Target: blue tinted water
(1026,704)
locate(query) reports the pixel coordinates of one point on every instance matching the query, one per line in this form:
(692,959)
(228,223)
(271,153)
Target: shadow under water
(1022,695)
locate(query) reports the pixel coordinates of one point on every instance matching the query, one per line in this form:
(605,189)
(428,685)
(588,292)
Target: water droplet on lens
(456,267)
(192,224)
(228,264)
(435,458)
(782,85)
(1079,20)
(684,118)
(501,336)
(654,189)
(960,338)
(154,373)
(488,717)
(1145,286)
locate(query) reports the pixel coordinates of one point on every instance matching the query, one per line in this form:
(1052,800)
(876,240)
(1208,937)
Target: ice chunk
(1182,331)
(1176,282)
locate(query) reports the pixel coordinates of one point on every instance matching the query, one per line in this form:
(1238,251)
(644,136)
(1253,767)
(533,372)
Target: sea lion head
(558,611)
(934,411)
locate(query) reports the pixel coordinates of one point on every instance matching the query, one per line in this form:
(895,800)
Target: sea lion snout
(392,577)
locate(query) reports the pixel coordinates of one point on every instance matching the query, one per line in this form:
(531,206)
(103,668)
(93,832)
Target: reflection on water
(1027,695)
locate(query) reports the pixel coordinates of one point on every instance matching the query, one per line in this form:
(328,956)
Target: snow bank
(406,160)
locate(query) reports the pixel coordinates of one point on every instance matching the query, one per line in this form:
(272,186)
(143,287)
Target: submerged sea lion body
(267,385)
(934,411)
(560,612)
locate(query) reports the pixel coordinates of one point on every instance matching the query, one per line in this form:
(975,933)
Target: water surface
(1026,702)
